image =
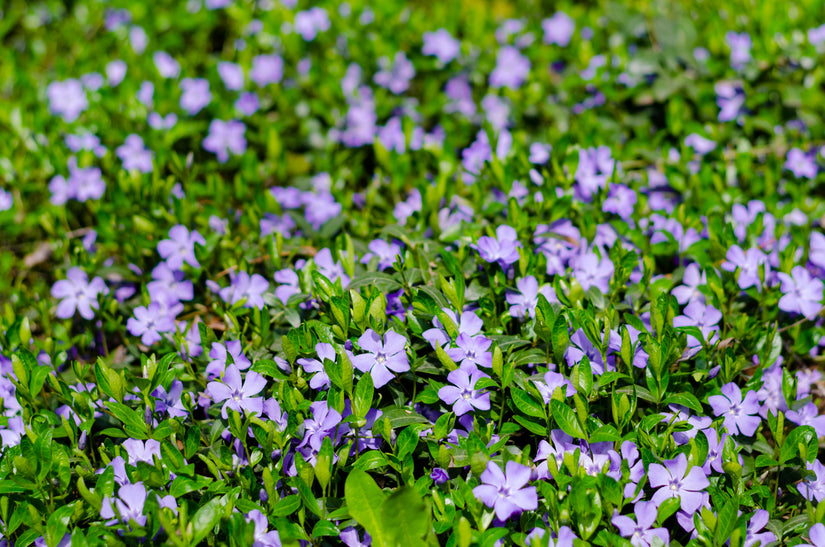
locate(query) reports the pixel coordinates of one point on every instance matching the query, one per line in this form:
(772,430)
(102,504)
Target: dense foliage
(281,272)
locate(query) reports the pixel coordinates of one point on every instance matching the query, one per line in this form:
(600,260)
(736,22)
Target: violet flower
(267,69)
(741,416)
(195,95)
(77,294)
(135,155)
(226,354)
(140,451)
(232,75)
(149,321)
(523,303)
(180,247)
(802,165)
(395,75)
(558,29)
(462,394)
(505,492)
(325,422)
(471,351)
(814,487)
(641,531)
(808,415)
(512,69)
(129,504)
(166,65)
(502,249)
(676,482)
(225,137)
(592,271)
(67,99)
(245,287)
(320,380)
(801,293)
(442,45)
(747,262)
(384,356)
(349,537)
(170,402)
(692,279)
(238,396)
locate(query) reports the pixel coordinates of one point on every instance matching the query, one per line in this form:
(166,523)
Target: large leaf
(364,500)
(567,420)
(405,518)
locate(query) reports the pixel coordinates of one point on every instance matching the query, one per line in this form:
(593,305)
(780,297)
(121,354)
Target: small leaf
(567,420)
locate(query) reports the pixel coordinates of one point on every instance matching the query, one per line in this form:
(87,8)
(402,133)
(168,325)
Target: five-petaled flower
(180,247)
(78,294)
(673,480)
(462,394)
(240,397)
(505,492)
(741,416)
(384,356)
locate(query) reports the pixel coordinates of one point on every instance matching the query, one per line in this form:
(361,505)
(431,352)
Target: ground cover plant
(395,274)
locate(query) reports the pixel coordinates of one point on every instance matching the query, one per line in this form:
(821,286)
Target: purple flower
(552,382)
(641,532)
(558,29)
(67,99)
(85,141)
(748,263)
(814,487)
(384,356)
(6,200)
(755,524)
(512,68)
(139,451)
(320,380)
(700,144)
(195,95)
(395,75)
(502,249)
(243,286)
(705,317)
(692,279)
(267,69)
(221,354)
(801,293)
(77,294)
(180,247)
(167,281)
(156,121)
(238,396)
(731,99)
(523,303)
(621,201)
(676,483)
(225,137)
(330,269)
(232,75)
(441,44)
(462,394)
(808,415)
(135,155)
(262,537)
(468,323)
(387,253)
(115,72)
(505,492)
(170,403)
(290,284)
(739,414)
(310,22)
(129,504)
(439,475)
(320,208)
(471,351)
(324,423)
(802,165)
(817,531)
(740,48)
(166,65)
(591,271)
(248,103)
(149,322)
(816,254)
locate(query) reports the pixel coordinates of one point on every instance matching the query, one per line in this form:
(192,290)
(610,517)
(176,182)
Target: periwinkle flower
(471,351)
(439,475)
(232,75)
(325,422)
(140,451)
(813,488)
(692,279)
(462,394)
(808,415)
(320,380)
(78,294)
(166,65)
(441,44)
(512,68)
(195,95)
(134,154)
(262,537)
(700,144)
(180,247)
(221,353)
(802,165)
(592,271)
(129,504)
(329,268)
(115,72)
(523,303)
(245,287)
(502,249)
(238,396)
(558,29)
(170,402)
(387,253)
(267,69)
(817,531)
(225,137)
(248,103)
(641,531)
(801,293)
(552,382)
(149,322)
(67,99)
(158,122)
(506,492)
(384,357)
(673,480)
(311,22)
(6,200)
(395,75)
(740,48)
(747,262)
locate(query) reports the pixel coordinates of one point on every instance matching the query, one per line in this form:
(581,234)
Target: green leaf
(286,506)
(803,435)
(364,501)
(133,422)
(400,417)
(567,420)
(205,519)
(524,402)
(605,433)
(405,518)
(685,399)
